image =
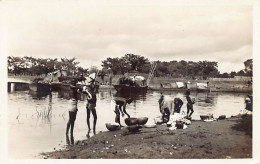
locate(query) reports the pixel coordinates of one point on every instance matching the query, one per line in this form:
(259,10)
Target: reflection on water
(37,121)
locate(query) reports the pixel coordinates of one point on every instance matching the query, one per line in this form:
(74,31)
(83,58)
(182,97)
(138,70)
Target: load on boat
(131,84)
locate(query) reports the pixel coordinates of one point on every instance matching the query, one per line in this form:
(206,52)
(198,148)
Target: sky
(92,32)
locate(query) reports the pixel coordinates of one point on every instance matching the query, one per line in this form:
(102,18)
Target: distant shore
(222,139)
(214,85)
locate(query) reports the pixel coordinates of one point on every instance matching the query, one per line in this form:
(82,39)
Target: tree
(116,65)
(208,68)
(136,62)
(233,74)
(127,63)
(240,73)
(69,65)
(248,67)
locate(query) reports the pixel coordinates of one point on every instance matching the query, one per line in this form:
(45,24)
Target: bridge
(17,84)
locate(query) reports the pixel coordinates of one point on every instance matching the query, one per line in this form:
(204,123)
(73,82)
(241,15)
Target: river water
(37,121)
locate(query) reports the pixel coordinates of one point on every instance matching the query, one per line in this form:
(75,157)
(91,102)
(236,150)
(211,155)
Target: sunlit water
(31,133)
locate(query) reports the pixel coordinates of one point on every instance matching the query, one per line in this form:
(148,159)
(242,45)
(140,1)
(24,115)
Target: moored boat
(128,88)
(42,87)
(132,84)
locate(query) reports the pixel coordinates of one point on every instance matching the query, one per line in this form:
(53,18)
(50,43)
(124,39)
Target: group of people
(169,106)
(120,107)
(166,106)
(90,106)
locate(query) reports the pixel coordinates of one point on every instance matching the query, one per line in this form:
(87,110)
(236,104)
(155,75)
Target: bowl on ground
(131,121)
(142,120)
(134,128)
(112,127)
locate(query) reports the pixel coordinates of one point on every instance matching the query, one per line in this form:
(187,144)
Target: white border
(256,45)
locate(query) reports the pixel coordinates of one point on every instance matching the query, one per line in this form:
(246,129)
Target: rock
(175,148)
(114,152)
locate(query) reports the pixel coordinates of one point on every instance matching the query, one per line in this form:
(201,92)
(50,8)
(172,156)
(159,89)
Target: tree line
(125,64)
(38,66)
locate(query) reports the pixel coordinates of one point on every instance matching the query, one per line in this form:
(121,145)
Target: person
(249,103)
(177,104)
(120,107)
(165,106)
(189,104)
(91,106)
(73,109)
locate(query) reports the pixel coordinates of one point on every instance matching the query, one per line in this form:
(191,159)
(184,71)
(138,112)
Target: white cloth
(202,85)
(180,84)
(85,90)
(137,78)
(74,105)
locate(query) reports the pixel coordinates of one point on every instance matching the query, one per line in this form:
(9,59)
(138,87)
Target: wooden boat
(203,90)
(40,87)
(172,89)
(67,87)
(128,88)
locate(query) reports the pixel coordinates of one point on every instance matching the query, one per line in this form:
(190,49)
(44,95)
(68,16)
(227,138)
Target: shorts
(91,106)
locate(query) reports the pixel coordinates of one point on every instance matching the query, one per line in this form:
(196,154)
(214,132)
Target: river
(37,122)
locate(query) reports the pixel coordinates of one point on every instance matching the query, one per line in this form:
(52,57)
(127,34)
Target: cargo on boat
(131,84)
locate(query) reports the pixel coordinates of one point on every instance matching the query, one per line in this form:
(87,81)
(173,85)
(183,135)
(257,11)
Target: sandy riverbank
(229,138)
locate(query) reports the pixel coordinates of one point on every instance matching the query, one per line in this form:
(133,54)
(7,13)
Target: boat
(132,84)
(172,89)
(40,87)
(128,88)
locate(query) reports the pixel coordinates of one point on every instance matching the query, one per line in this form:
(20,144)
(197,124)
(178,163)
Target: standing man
(177,104)
(91,106)
(73,108)
(120,106)
(189,104)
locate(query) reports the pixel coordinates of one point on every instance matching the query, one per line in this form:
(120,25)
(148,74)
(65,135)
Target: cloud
(92,33)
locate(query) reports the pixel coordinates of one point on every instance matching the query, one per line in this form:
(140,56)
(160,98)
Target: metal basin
(142,120)
(131,121)
(111,127)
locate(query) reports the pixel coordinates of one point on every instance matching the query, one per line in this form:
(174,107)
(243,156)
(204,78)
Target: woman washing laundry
(120,107)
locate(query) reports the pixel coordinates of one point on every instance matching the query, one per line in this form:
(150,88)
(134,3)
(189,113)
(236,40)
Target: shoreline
(214,86)
(220,139)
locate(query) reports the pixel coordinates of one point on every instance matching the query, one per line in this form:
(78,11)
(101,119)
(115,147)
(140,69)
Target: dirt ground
(222,139)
